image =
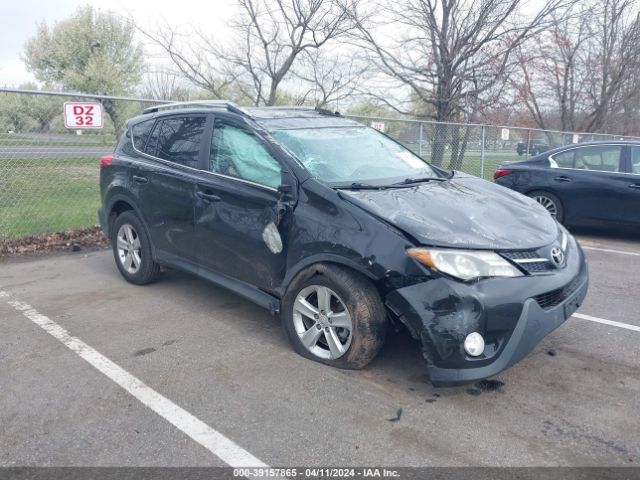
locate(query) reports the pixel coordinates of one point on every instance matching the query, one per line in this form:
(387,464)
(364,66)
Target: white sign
(504,134)
(82,115)
(378,126)
(576,138)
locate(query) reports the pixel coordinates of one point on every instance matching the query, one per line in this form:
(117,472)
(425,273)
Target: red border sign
(81,115)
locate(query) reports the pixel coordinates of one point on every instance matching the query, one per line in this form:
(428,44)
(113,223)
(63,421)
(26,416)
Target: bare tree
(584,70)
(613,57)
(164,85)
(328,79)
(268,38)
(450,52)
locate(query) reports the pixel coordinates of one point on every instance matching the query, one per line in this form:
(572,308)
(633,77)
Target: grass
(47,195)
(66,139)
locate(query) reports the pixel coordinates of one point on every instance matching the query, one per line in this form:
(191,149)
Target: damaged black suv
(341,231)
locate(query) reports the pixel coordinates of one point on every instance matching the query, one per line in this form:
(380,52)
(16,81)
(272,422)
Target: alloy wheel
(322,322)
(129,248)
(547,203)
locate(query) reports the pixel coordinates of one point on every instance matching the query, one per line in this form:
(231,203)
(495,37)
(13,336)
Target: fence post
(420,137)
(482,152)
(528,144)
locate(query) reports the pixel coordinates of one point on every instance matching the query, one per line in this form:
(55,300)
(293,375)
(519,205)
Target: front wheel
(550,202)
(334,316)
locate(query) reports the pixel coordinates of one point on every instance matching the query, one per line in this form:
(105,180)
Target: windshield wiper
(358,186)
(409,181)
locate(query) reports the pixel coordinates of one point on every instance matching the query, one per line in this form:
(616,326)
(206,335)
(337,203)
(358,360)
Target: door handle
(562,178)
(139,179)
(635,186)
(208,197)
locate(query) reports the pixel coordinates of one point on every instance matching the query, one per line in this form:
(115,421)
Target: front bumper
(508,312)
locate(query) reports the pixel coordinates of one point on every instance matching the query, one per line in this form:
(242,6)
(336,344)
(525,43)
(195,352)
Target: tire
(550,202)
(128,232)
(348,292)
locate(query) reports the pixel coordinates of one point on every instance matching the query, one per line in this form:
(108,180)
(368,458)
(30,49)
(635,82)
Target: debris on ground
(74,240)
(485,386)
(397,417)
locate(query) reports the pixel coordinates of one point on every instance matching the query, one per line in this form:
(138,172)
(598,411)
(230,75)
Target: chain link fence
(49,174)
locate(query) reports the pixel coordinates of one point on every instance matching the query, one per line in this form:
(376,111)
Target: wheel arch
(320,259)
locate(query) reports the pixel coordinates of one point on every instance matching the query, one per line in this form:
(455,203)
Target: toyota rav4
(340,231)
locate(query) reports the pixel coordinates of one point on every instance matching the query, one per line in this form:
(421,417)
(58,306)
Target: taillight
(501,172)
(106,161)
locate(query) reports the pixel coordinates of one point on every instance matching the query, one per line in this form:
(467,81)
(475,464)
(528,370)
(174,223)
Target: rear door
(591,182)
(236,206)
(166,181)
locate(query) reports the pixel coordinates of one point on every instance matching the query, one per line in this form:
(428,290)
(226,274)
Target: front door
(236,208)
(630,210)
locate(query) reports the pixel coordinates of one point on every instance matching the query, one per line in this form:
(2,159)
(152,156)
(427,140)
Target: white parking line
(610,250)
(222,447)
(607,322)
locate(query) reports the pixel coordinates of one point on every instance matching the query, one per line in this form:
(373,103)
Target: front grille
(553,298)
(522,259)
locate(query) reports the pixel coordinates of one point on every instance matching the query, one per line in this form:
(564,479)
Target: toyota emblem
(557,255)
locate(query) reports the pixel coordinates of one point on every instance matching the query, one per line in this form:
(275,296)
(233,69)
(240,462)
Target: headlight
(564,237)
(465,264)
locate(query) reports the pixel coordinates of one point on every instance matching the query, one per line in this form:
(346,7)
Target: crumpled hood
(464,212)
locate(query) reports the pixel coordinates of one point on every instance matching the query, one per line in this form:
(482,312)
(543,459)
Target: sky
(20,19)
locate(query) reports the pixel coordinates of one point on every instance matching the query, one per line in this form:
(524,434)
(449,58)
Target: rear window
(178,139)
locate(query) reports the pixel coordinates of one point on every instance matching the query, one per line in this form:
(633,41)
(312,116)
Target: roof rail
(321,111)
(229,106)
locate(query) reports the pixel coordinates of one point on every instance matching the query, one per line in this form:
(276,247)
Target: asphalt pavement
(75,338)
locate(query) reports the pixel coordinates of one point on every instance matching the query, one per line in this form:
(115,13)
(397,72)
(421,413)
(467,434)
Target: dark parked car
(340,231)
(531,147)
(581,184)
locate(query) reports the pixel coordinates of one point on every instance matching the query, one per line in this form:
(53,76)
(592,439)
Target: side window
(603,158)
(178,139)
(635,160)
(140,133)
(564,159)
(237,153)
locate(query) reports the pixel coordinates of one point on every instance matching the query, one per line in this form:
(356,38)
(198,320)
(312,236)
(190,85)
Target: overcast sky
(21,17)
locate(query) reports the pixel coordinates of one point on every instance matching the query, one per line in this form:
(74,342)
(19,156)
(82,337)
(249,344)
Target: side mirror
(286,188)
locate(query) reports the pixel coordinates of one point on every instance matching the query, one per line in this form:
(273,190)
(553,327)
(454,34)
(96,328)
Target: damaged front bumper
(512,315)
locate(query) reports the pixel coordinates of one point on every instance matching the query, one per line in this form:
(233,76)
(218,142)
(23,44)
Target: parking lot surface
(216,357)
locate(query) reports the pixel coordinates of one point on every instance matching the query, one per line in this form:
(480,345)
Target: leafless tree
(449,53)
(585,69)
(613,56)
(164,85)
(329,79)
(268,37)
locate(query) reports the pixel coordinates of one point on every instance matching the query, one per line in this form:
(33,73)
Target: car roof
(271,118)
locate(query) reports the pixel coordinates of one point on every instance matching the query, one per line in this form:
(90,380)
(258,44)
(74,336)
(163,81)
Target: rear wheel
(550,202)
(132,250)
(334,316)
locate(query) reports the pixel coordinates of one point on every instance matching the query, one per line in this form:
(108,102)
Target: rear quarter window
(140,133)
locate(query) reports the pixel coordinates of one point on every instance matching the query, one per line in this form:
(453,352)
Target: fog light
(474,344)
